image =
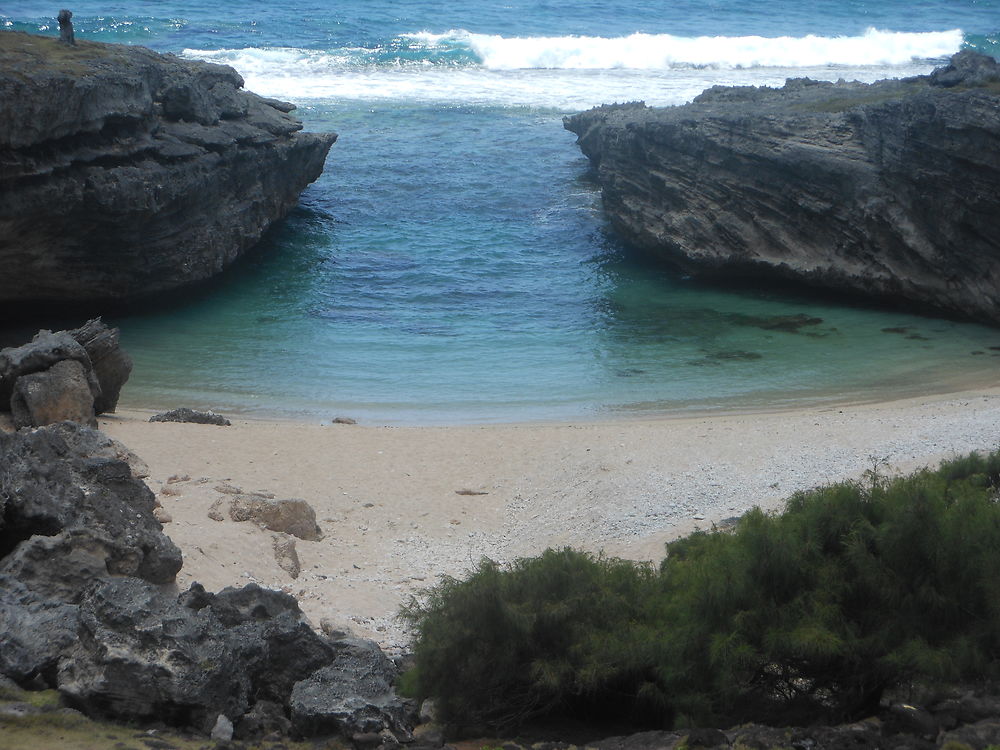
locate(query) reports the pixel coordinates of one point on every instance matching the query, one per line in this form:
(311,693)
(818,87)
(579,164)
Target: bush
(803,615)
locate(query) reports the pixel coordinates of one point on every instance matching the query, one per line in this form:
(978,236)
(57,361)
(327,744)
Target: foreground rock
(84,609)
(890,189)
(124,172)
(66,375)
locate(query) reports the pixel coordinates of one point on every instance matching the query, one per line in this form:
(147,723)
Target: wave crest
(664,51)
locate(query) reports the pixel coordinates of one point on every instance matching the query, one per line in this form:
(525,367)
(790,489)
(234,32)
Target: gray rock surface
(890,190)
(55,395)
(146,654)
(111,363)
(65,508)
(353,695)
(84,608)
(125,172)
(42,352)
(184,414)
(66,375)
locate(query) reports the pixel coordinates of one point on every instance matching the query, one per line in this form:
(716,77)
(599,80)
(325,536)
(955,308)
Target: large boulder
(65,505)
(111,364)
(38,355)
(353,695)
(57,394)
(66,375)
(144,654)
(890,190)
(126,172)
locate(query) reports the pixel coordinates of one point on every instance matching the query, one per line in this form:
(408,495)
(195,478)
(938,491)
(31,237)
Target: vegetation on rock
(809,614)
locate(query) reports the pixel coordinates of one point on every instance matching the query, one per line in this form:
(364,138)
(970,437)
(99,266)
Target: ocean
(452,264)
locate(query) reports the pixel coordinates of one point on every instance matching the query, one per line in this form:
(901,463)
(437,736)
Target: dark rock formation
(111,364)
(67,375)
(353,694)
(67,508)
(124,172)
(83,608)
(184,414)
(143,655)
(42,352)
(890,189)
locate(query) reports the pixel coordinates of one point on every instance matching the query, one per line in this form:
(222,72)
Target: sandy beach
(401,506)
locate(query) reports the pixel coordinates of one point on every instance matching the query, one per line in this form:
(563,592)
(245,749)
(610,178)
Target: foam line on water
(658,51)
(304,75)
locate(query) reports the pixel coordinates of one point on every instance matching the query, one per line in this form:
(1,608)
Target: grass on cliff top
(842,100)
(28,56)
(787,619)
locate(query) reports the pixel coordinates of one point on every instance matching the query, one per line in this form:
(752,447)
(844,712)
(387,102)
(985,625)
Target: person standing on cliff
(66,27)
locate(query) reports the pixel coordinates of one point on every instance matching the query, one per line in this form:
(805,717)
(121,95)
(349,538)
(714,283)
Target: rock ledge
(125,172)
(890,190)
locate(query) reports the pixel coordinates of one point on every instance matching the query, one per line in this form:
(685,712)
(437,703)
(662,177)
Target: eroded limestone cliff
(125,172)
(890,190)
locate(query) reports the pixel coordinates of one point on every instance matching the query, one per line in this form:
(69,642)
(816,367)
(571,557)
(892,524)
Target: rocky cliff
(890,189)
(124,172)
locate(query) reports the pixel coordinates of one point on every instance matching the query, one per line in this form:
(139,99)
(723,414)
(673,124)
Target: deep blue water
(452,263)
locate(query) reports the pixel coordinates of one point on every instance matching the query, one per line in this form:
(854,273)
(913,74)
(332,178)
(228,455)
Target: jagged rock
(888,189)
(35,632)
(76,506)
(111,364)
(353,695)
(184,414)
(285,555)
(126,172)
(295,517)
(42,352)
(58,394)
(163,516)
(264,718)
(978,736)
(95,444)
(41,384)
(69,516)
(81,608)
(146,654)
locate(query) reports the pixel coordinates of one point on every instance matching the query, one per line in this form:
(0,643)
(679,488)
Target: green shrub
(807,614)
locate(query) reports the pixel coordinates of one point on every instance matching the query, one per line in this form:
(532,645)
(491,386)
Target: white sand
(387,497)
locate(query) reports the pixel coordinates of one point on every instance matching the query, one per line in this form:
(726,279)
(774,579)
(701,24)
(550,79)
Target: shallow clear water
(452,263)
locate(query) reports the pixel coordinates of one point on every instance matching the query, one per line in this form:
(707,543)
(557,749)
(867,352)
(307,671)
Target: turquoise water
(453,265)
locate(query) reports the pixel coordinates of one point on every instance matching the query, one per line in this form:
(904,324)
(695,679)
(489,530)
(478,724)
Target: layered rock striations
(125,172)
(890,189)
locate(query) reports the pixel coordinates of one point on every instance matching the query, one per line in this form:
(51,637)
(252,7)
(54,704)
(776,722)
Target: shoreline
(400,506)
(734,406)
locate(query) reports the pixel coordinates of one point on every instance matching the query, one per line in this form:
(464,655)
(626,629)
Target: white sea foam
(659,51)
(572,73)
